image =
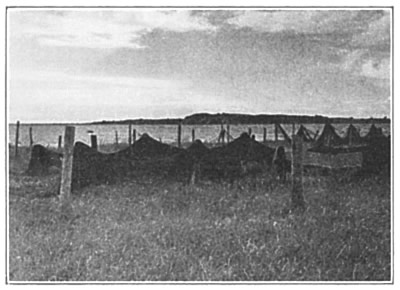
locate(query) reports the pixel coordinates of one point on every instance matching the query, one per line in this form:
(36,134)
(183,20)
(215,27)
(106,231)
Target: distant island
(234,119)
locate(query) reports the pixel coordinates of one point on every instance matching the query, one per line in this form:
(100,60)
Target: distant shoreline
(234,119)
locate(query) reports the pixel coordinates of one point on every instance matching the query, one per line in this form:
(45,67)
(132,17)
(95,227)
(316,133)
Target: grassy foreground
(158,230)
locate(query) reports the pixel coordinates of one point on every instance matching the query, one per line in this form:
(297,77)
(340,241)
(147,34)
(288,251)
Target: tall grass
(159,230)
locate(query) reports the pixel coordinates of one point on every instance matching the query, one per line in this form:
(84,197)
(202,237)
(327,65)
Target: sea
(48,134)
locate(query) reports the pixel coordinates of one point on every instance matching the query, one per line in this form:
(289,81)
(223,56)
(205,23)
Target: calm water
(48,134)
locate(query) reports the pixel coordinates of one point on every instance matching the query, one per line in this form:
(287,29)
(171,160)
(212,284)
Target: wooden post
(276,132)
(265,135)
(16,139)
(116,137)
(249,131)
(179,134)
(66,173)
(134,135)
(228,133)
(193,136)
(297,173)
(293,129)
(93,141)
(59,142)
(130,135)
(30,137)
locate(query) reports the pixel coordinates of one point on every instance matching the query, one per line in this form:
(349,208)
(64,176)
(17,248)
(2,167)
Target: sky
(79,65)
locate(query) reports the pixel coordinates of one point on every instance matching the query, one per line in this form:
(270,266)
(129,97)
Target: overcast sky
(86,65)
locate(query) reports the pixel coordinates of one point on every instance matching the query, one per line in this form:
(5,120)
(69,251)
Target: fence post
(276,132)
(228,133)
(66,173)
(193,136)
(59,142)
(130,135)
(134,135)
(116,137)
(297,173)
(93,141)
(265,135)
(30,137)
(293,128)
(249,131)
(179,134)
(16,139)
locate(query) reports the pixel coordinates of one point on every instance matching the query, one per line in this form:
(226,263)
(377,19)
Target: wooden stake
(249,131)
(265,135)
(276,132)
(293,129)
(134,135)
(228,134)
(297,173)
(193,136)
(179,134)
(66,173)
(30,137)
(130,135)
(116,137)
(93,141)
(16,139)
(59,142)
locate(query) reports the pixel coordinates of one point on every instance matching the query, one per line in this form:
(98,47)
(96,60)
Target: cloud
(100,29)
(300,21)
(376,34)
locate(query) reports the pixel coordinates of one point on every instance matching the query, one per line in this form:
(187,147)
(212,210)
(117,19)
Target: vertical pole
(179,134)
(130,135)
(228,133)
(16,139)
(116,137)
(93,141)
(276,132)
(265,135)
(297,173)
(30,137)
(193,136)
(59,142)
(249,131)
(66,173)
(293,129)
(134,135)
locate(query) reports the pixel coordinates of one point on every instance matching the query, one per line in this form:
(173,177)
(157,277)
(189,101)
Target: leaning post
(297,173)
(66,173)
(16,139)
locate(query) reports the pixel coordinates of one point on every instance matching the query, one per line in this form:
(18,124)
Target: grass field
(160,230)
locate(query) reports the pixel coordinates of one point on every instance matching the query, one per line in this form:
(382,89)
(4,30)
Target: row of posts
(132,136)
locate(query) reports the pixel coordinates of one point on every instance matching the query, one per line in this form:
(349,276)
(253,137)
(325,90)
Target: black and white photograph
(199,144)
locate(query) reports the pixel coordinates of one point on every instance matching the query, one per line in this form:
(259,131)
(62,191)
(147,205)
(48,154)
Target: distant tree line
(224,118)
